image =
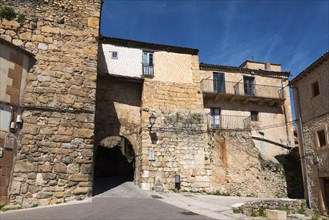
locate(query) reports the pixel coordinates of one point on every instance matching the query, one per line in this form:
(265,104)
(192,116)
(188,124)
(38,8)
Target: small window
(215,118)
(148,64)
(114,55)
(321,138)
(254,116)
(315,88)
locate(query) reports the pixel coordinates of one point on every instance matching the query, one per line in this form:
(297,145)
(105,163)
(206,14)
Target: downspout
(285,115)
(309,200)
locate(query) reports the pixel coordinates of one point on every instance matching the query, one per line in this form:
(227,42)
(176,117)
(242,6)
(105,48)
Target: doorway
(114,163)
(325,193)
(249,85)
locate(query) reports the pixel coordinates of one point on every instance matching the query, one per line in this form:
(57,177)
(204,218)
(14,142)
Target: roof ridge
(135,43)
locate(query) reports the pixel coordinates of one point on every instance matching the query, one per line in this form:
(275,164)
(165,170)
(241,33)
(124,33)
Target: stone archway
(114,163)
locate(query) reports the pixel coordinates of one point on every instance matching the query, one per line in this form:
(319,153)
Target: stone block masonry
(54,159)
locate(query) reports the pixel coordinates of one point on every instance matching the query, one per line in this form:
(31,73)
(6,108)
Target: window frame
(215,122)
(323,128)
(249,85)
(112,55)
(251,115)
(148,66)
(315,82)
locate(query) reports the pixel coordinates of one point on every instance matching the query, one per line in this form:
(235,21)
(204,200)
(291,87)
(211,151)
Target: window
(215,118)
(148,69)
(5,117)
(219,82)
(315,89)
(254,116)
(249,85)
(321,135)
(114,55)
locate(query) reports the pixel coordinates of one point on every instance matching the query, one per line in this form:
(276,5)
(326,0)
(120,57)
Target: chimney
(267,66)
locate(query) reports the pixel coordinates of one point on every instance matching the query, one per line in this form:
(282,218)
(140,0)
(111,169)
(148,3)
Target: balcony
(148,70)
(235,122)
(243,92)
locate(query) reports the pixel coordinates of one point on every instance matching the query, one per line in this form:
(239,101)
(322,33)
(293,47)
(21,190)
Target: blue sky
(293,33)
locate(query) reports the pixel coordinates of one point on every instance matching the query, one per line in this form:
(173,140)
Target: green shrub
(7,12)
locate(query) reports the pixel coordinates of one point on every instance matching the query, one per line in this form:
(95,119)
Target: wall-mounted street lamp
(152,119)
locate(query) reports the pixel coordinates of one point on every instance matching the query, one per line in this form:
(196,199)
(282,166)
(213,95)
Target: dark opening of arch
(114,163)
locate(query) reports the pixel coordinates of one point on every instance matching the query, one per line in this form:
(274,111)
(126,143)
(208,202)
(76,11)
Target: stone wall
(257,208)
(315,116)
(238,168)
(317,159)
(118,113)
(180,136)
(54,159)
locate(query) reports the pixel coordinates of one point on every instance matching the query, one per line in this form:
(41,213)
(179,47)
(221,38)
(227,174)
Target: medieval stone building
(88,100)
(219,128)
(311,92)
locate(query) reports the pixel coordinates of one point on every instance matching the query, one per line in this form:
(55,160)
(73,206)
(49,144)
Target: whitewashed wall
(129,62)
(168,66)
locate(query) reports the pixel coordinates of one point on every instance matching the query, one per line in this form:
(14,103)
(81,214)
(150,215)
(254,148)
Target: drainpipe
(309,200)
(285,115)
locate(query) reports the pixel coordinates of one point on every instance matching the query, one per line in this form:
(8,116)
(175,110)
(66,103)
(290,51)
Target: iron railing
(148,70)
(228,122)
(240,88)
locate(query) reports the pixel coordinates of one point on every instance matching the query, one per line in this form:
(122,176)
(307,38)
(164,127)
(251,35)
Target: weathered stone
(25,36)
(16,188)
(46,167)
(93,22)
(60,168)
(73,168)
(39,179)
(17,42)
(11,23)
(24,167)
(80,177)
(81,190)
(48,29)
(6,37)
(38,38)
(84,133)
(59,194)
(86,168)
(276,215)
(42,46)
(30,129)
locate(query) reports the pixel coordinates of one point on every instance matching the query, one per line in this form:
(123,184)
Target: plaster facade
(311,90)
(274,123)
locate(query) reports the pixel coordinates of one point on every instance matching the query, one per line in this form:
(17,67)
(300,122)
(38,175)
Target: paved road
(125,201)
(107,208)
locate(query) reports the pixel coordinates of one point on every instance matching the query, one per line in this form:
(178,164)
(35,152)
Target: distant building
(311,95)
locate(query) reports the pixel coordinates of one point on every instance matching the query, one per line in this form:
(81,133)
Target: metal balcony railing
(229,122)
(148,70)
(242,89)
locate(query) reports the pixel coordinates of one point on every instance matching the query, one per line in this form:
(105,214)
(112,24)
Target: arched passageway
(114,163)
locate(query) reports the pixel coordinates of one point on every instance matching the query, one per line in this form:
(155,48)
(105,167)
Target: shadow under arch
(114,163)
